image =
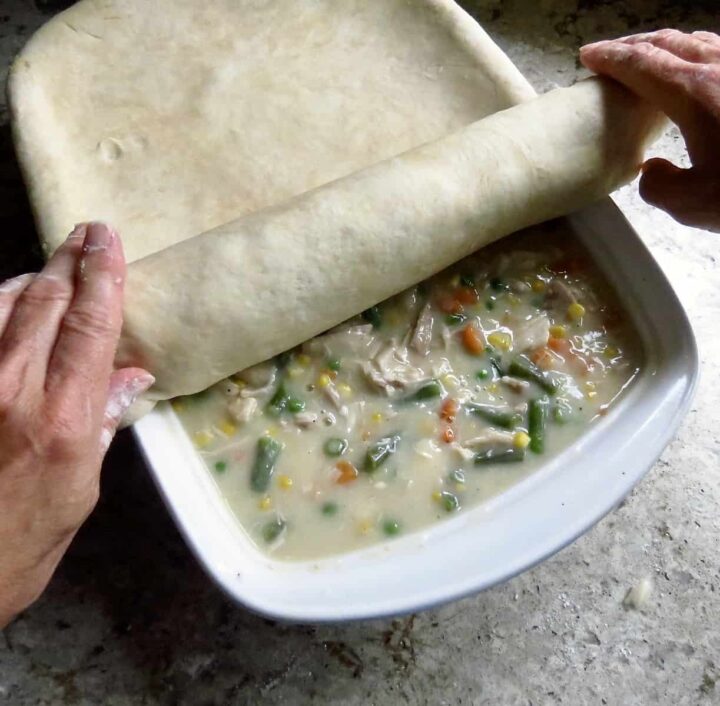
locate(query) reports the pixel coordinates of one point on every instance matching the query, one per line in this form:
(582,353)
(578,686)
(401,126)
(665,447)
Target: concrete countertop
(131,619)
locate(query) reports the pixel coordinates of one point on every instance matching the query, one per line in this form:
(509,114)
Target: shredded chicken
(390,370)
(559,290)
(515,384)
(229,388)
(490,438)
(305,419)
(260,380)
(465,454)
(446,335)
(355,340)
(533,333)
(422,334)
(242,409)
(333,395)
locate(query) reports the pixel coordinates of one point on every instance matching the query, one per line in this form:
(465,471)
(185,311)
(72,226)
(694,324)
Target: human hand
(60,403)
(680,73)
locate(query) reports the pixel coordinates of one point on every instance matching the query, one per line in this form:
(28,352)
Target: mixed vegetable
(424,404)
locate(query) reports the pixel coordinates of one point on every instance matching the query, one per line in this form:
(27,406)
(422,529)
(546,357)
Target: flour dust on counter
(422,406)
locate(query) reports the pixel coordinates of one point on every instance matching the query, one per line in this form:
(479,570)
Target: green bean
(273,529)
(499,455)
(266,457)
(335,447)
(449,501)
(495,360)
(373,316)
(220,466)
(522,367)
(380,451)
(562,412)
(278,402)
(505,418)
(537,421)
(428,391)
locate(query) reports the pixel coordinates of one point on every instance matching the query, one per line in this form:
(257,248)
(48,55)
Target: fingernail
(16,283)
(121,398)
(78,231)
(98,237)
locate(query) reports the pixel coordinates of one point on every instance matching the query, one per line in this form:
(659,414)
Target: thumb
(125,386)
(689,195)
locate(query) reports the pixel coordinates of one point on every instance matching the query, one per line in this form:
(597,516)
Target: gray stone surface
(131,619)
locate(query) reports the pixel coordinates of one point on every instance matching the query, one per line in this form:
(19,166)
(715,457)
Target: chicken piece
(391,372)
(531,334)
(242,409)
(490,438)
(515,384)
(422,334)
(305,420)
(259,379)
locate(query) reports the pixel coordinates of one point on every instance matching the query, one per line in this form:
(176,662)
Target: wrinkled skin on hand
(60,403)
(680,73)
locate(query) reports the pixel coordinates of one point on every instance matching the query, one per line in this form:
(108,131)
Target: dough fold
(245,291)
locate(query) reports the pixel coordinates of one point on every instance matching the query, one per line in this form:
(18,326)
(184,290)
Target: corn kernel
(294,371)
(272,431)
(450,381)
(500,340)
(437,496)
(227,427)
(589,385)
(514,299)
(238,381)
(202,438)
(285,482)
(455,281)
(520,440)
(345,389)
(460,487)
(591,394)
(323,380)
(558,331)
(364,526)
(265,503)
(178,405)
(576,311)
(492,388)
(303,359)
(377,417)
(538,286)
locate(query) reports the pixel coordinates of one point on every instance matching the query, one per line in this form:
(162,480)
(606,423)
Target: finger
(653,73)
(709,37)
(81,361)
(688,195)
(32,328)
(10,291)
(685,46)
(125,387)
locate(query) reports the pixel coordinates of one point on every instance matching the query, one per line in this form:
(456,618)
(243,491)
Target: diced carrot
(542,358)
(347,472)
(447,435)
(449,304)
(466,295)
(449,410)
(472,340)
(560,345)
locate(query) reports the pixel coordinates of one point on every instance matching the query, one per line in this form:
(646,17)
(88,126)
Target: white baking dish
(485,545)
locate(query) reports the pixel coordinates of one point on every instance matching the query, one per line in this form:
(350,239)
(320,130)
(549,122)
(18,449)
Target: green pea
(220,466)
(391,528)
(295,405)
(428,391)
(456,476)
(490,303)
(482,374)
(273,529)
(379,452)
(335,447)
(449,501)
(334,364)
(455,319)
(329,509)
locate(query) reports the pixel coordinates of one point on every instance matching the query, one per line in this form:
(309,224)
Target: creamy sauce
(421,408)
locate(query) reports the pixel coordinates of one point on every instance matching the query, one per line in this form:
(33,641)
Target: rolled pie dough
(245,291)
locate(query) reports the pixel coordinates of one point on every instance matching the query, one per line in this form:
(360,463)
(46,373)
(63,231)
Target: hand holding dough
(236,295)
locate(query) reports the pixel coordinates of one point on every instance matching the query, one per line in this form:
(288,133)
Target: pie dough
(171,117)
(229,142)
